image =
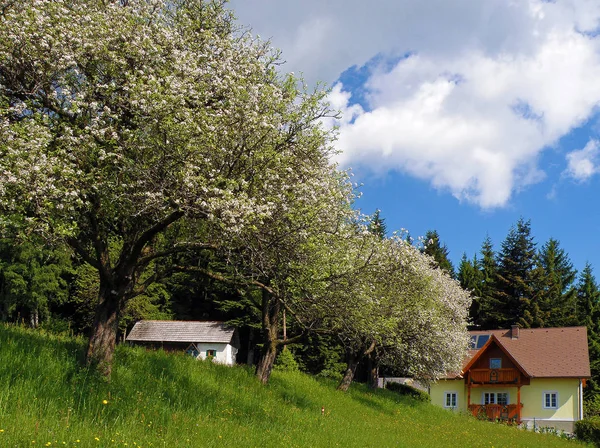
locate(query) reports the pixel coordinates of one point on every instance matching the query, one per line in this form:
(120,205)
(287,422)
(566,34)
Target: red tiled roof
(545,352)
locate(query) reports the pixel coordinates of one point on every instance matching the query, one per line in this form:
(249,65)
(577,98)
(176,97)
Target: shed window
(192,350)
(211,354)
(495,363)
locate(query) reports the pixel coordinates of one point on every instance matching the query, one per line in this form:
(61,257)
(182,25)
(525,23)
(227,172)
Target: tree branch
(146,237)
(77,247)
(180,247)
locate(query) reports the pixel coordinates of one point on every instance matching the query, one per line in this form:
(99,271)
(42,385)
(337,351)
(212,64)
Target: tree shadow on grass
(175,384)
(292,395)
(367,398)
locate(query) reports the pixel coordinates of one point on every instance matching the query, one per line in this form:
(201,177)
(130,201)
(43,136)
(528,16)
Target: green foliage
(322,354)
(591,401)
(160,399)
(588,430)
(33,278)
(404,389)
(286,361)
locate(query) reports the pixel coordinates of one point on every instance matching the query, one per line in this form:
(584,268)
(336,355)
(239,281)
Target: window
(451,400)
(550,400)
(478,341)
(495,363)
(502,398)
(495,398)
(192,350)
(210,354)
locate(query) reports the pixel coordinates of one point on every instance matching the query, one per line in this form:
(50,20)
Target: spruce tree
(377,225)
(557,292)
(587,310)
(438,252)
(514,286)
(470,278)
(587,299)
(487,316)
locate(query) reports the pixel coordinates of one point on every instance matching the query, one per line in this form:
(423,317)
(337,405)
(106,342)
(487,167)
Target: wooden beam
(519,404)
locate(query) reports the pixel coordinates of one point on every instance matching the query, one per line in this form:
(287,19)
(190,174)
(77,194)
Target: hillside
(156,399)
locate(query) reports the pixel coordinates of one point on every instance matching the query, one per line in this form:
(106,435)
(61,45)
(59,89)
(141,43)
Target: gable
(540,352)
(494,350)
(496,353)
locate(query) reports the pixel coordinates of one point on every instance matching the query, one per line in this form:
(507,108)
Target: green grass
(162,400)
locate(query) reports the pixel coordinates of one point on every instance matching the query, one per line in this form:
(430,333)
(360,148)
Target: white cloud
(583,163)
(488,86)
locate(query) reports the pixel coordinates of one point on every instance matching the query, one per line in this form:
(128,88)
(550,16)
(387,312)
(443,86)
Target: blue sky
(458,116)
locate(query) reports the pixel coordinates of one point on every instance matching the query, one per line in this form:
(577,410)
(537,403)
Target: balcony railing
(504,412)
(503,376)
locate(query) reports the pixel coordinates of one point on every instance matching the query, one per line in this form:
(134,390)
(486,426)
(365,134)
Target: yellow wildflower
(104,401)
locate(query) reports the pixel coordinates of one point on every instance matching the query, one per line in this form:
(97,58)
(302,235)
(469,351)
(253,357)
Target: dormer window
(478,341)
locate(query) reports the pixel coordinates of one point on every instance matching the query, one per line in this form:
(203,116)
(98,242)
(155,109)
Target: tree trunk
(265,365)
(270,329)
(250,359)
(352,361)
(103,339)
(34,319)
(373,370)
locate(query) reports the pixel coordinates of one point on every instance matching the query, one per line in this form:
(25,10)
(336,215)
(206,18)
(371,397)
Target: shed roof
(180,331)
(544,352)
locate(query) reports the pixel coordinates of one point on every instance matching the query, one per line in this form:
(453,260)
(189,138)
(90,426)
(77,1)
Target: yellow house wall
(438,390)
(532,397)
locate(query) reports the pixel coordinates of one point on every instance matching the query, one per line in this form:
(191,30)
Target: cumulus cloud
(476,91)
(583,163)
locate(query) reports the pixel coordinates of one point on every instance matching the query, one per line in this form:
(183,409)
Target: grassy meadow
(163,400)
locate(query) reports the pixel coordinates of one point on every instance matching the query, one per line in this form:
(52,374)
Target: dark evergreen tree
(514,284)
(587,310)
(433,247)
(587,300)
(377,225)
(487,315)
(33,278)
(535,306)
(557,293)
(470,278)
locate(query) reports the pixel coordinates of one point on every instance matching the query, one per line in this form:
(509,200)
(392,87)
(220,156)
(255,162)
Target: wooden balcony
(493,376)
(509,413)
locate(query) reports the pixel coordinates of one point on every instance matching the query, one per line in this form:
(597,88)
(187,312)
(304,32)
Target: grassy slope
(155,399)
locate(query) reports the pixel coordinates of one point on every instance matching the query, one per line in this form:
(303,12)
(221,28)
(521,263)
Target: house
(213,340)
(534,377)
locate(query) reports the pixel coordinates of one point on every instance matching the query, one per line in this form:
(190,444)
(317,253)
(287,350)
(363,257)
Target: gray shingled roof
(180,331)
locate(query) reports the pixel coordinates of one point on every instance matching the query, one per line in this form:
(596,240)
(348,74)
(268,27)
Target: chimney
(514,332)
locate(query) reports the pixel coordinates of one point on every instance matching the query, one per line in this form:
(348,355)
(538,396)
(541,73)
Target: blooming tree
(387,301)
(120,119)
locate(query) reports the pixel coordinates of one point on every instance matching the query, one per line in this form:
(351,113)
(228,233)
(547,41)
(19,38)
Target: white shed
(201,340)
